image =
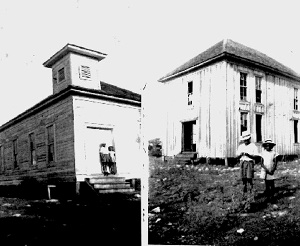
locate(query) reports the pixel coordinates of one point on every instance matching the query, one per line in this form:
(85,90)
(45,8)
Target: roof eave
(213,59)
(71,48)
(70,90)
(225,55)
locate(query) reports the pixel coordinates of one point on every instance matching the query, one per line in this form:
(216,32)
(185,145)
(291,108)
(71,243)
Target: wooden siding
(60,115)
(122,119)
(217,108)
(277,104)
(63,63)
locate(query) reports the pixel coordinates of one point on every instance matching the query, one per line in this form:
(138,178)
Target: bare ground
(204,205)
(104,220)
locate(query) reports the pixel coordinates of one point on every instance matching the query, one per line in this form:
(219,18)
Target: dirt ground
(107,219)
(204,205)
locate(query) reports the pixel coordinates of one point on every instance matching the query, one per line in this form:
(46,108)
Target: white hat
(268,141)
(245,135)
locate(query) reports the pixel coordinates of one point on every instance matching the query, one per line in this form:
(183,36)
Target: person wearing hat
(247,152)
(268,167)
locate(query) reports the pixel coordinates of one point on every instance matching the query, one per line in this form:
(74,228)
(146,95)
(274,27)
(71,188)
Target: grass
(204,205)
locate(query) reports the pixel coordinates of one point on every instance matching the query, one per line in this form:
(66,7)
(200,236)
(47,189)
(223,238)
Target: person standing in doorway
(104,159)
(247,152)
(112,157)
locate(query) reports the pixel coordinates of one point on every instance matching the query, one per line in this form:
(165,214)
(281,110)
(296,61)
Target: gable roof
(108,92)
(232,50)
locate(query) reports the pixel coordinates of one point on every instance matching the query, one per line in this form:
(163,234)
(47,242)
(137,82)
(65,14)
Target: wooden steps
(110,184)
(185,158)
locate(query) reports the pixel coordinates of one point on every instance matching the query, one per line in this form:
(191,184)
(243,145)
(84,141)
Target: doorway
(94,137)
(188,136)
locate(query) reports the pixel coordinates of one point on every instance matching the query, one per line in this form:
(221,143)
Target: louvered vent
(85,72)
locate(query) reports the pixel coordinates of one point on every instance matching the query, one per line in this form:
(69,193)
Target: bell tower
(75,65)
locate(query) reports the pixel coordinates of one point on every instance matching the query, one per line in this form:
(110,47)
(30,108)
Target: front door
(94,137)
(188,141)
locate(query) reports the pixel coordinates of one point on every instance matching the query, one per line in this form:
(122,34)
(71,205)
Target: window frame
(190,91)
(2,162)
(296,131)
(59,77)
(258,134)
(243,86)
(296,105)
(15,153)
(33,155)
(48,143)
(258,90)
(244,120)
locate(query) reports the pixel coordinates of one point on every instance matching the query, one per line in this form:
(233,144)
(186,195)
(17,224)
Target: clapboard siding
(59,114)
(124,122)
(217,108)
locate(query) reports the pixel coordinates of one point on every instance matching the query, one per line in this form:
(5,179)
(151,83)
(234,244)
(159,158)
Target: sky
(143,40)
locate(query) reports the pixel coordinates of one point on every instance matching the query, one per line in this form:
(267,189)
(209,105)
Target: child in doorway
(112,157)
(104,159)
(268,167)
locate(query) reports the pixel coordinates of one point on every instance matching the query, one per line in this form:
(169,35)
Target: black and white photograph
(149,122)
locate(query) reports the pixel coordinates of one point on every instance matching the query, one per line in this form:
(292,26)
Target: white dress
(268,157)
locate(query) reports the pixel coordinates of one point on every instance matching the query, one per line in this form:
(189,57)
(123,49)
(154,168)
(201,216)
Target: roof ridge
(234,49)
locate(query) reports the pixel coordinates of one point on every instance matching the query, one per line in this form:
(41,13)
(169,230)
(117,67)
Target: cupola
(75,65)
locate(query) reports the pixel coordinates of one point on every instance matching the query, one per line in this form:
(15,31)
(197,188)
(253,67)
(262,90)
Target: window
(61,74)
(258,128)
(190,92)
(85,72)
(15,153)
(258,89)
(243,86)
(244,121)
(295,99)
(2,167)
(50,144)
(296,131)
(32,149)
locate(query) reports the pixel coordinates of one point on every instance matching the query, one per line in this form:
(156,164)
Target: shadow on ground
(106,220)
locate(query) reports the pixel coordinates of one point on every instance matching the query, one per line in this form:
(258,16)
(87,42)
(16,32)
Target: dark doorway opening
(188,136)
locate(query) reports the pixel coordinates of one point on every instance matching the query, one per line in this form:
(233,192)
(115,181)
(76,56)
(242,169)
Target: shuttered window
(2,167)
(85,72)
(61,74)
(15,153)
(50,144)
(32,149)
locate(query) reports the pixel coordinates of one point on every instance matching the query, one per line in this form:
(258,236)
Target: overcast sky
(144,40)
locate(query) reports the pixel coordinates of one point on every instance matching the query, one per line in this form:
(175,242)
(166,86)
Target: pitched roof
(230,49)
(119,92)
(108,92)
